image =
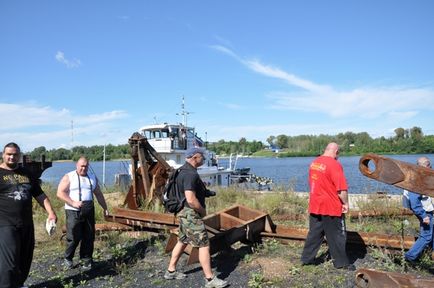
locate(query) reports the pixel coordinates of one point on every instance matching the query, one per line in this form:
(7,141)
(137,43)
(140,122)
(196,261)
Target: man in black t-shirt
(17,236)
(191,226)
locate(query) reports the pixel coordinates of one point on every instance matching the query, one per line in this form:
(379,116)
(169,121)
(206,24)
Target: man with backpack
(422,207)
(191,226)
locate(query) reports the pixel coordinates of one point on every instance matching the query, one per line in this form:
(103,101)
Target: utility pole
(103,167)
(72,133)
(206,140)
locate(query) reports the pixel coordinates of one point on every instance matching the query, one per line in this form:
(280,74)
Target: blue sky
(246,68)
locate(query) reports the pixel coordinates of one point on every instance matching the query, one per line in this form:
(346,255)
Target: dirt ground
(138,260)
(142,263)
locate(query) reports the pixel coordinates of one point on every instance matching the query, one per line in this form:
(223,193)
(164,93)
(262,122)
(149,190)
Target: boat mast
(183,113)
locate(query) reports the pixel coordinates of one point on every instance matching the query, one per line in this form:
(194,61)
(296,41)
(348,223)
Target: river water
(289,172)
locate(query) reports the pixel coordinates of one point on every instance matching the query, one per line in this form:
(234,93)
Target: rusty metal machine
(373,278)
(149,173)
(398,173)
(35,167)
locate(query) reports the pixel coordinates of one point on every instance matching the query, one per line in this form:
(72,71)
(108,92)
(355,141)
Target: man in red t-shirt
(328,203)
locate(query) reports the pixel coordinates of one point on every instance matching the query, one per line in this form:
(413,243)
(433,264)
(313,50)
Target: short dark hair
(12,145)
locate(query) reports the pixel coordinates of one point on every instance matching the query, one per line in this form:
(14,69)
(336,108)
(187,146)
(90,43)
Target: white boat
(172,140)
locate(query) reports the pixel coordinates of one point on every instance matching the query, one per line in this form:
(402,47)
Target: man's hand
(345,208)
(52,217)
(426,220)
(77,204)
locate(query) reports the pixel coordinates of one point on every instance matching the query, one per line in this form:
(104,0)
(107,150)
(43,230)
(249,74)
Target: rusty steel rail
(143,220)
(382,213)
(398,173)
(367,278)
(353,214)
(284,233)
(239,223)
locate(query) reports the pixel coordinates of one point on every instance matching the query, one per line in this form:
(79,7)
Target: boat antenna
(183,112)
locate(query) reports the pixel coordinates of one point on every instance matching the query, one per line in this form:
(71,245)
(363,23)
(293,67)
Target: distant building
(273,148)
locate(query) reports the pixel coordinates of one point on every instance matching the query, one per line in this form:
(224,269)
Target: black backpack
(173,199)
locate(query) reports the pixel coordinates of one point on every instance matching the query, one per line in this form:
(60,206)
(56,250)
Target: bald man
(77,189)
(328,203)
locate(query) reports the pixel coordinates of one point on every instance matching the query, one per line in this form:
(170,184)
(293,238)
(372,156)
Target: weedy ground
(137,259)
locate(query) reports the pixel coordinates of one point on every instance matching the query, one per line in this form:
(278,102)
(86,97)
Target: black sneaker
(86,265)
(68,264)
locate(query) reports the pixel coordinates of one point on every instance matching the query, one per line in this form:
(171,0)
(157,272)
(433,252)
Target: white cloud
(74,63)
(364,102)
(30,116)
(35,126)
(274,72)
(103,117)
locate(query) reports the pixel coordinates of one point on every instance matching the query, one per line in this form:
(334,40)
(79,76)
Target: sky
(93,72)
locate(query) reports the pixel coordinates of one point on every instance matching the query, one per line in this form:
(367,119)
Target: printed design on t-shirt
(318,167)
(19,195)
(22,187)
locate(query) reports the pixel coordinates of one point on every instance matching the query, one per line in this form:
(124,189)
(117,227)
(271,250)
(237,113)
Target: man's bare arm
(343,195)
(63,193)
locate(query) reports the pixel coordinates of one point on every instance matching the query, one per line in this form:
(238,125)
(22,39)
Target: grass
(285,208)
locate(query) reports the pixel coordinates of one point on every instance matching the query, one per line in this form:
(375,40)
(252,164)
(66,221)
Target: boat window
(164,134)
(148,134)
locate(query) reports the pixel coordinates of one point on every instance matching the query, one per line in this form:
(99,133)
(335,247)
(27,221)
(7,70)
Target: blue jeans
(425,239)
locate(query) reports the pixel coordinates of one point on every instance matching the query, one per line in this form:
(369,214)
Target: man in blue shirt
(422,207)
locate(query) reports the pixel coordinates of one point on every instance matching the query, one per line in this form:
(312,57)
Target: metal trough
(237,223)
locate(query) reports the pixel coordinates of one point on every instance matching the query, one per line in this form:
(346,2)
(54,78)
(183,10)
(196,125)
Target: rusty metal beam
(356,238)
(353,214)
(143,216)
(380,213)
(373,278)
(35,167)
(398,173)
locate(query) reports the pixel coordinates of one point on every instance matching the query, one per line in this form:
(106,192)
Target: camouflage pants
(192,229)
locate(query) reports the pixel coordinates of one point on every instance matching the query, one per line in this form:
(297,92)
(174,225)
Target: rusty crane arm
(398,173)
(149,173)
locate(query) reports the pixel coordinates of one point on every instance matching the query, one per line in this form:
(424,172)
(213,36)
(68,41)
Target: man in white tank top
(76,189)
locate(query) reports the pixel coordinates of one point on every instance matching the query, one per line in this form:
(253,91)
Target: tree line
(93,153)
(405,141)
